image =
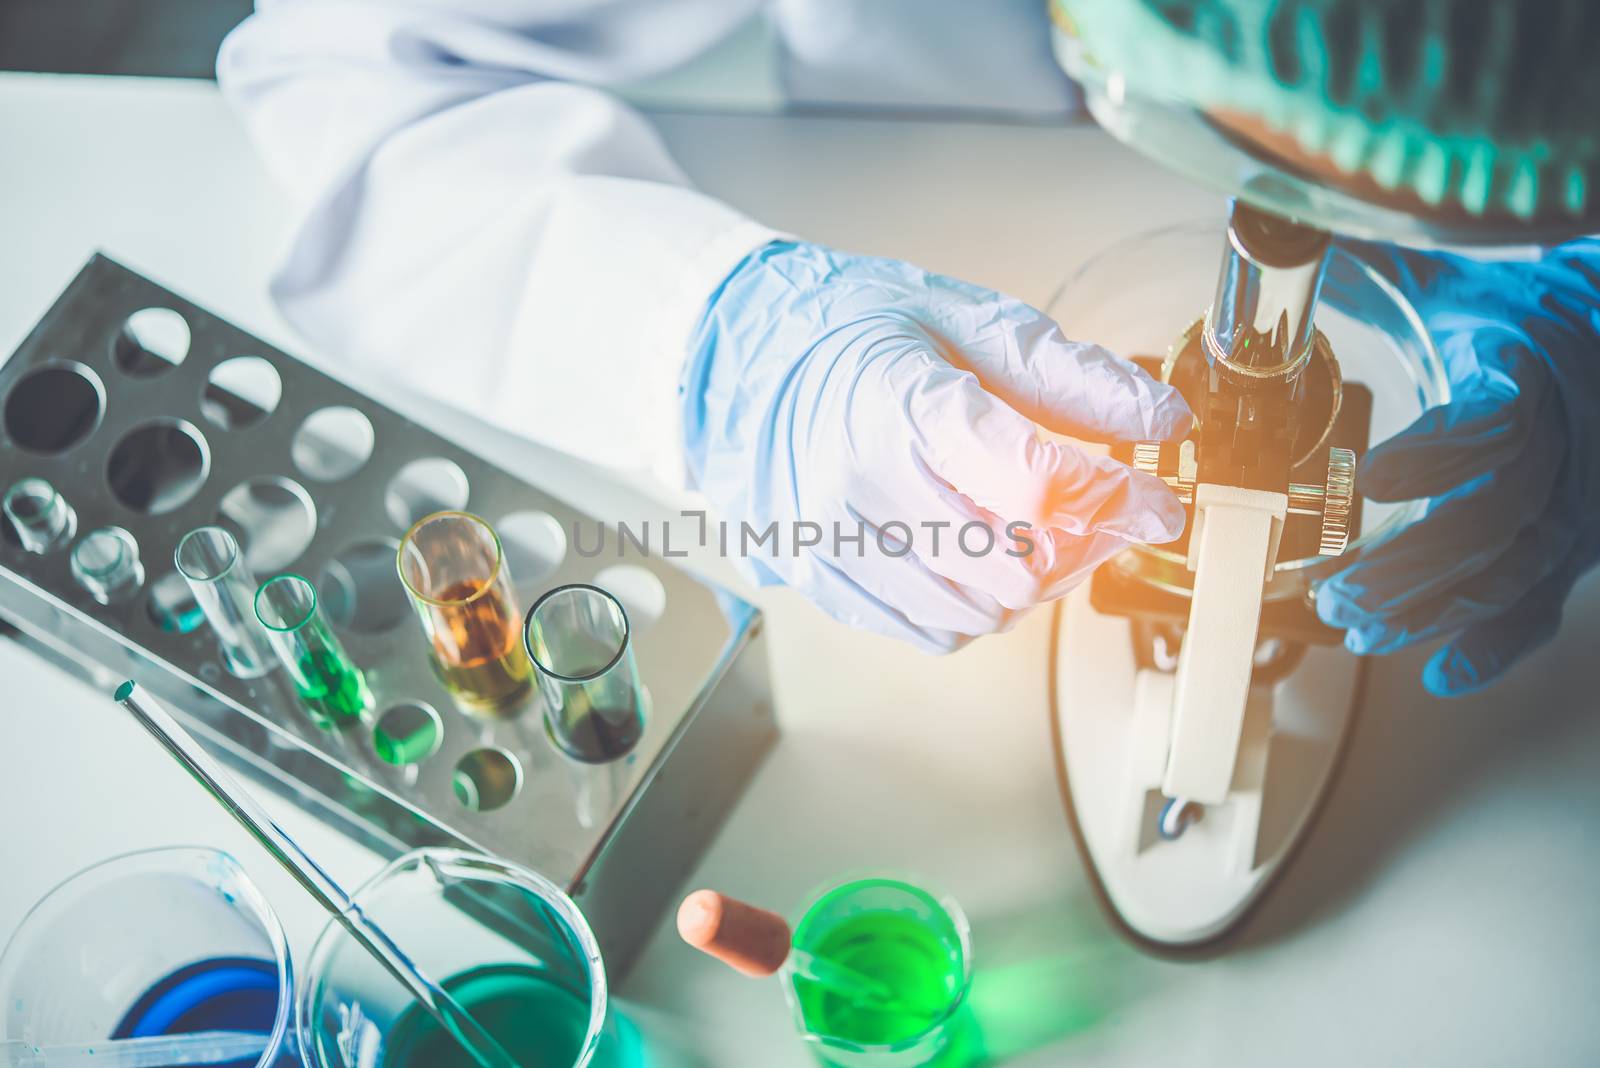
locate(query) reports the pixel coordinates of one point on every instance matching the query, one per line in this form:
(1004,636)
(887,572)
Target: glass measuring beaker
(506,943)
(579,640)
(160,942)
(454,569)
(40,516)
(210,561)
(917,945)
(327,680)
(1139,296)
(106,563)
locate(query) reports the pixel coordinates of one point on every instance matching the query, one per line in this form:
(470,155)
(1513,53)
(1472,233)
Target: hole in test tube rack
(152,342)
(486,779)
(407,734)
(534,546)
(423,487)
(272,517)
(53,408)
(332,444)
(639,591)
(241,392)
(360,589)
(105,562)
(171,605)
(158,466)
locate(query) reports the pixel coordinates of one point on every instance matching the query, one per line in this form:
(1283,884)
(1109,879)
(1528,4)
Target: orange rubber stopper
(747,939)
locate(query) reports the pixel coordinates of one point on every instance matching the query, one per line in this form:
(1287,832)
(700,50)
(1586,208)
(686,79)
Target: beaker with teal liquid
(907,941)
(157,943)
(506,943)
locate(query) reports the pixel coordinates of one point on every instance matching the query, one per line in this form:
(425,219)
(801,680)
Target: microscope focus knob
(1333,501)
(1338,500)
(1147,457)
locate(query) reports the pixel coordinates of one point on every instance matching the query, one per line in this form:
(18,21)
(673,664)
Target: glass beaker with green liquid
(506,943)
(915,944)
(333,689)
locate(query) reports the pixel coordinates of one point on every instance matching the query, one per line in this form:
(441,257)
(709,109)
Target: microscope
(1200,708)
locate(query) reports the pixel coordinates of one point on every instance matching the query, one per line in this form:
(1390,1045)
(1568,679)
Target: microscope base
(1110,725)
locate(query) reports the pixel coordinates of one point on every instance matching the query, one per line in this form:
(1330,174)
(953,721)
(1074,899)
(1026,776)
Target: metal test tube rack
(619,837)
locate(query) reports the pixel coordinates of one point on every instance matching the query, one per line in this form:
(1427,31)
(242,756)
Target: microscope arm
(1232,550)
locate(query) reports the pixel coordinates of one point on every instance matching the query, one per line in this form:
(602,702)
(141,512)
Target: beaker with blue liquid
(161,942)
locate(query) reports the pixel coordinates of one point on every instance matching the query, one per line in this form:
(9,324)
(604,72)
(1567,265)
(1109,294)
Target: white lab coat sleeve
(983,56)
(472,228)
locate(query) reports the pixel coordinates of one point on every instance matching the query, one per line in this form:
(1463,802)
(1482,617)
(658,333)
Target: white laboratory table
(1444,914)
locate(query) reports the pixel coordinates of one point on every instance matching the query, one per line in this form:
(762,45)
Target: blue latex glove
(1511,464)
(845,390)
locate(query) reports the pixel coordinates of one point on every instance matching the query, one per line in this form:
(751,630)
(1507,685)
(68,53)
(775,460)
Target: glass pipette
(155,1051)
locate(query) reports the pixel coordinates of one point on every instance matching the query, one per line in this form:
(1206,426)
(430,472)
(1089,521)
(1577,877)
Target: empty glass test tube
(211,562)
(454,569)
(329,683)
(106,563)
(41,517)
(579,641)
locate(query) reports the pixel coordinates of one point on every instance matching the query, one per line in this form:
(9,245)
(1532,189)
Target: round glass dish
(1186,141)
(1139,296)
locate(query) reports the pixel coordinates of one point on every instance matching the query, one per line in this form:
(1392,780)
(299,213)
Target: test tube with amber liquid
(454,569)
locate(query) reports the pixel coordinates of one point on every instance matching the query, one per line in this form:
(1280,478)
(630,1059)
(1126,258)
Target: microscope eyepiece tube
(1259,328)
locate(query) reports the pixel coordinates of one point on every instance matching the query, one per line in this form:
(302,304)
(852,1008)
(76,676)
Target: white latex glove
(831,393)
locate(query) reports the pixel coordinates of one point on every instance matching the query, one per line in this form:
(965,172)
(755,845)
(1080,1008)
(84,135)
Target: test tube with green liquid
(329,683)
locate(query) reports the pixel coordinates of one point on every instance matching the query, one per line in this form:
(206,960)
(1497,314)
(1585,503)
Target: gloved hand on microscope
(1511,467)
(844,390)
